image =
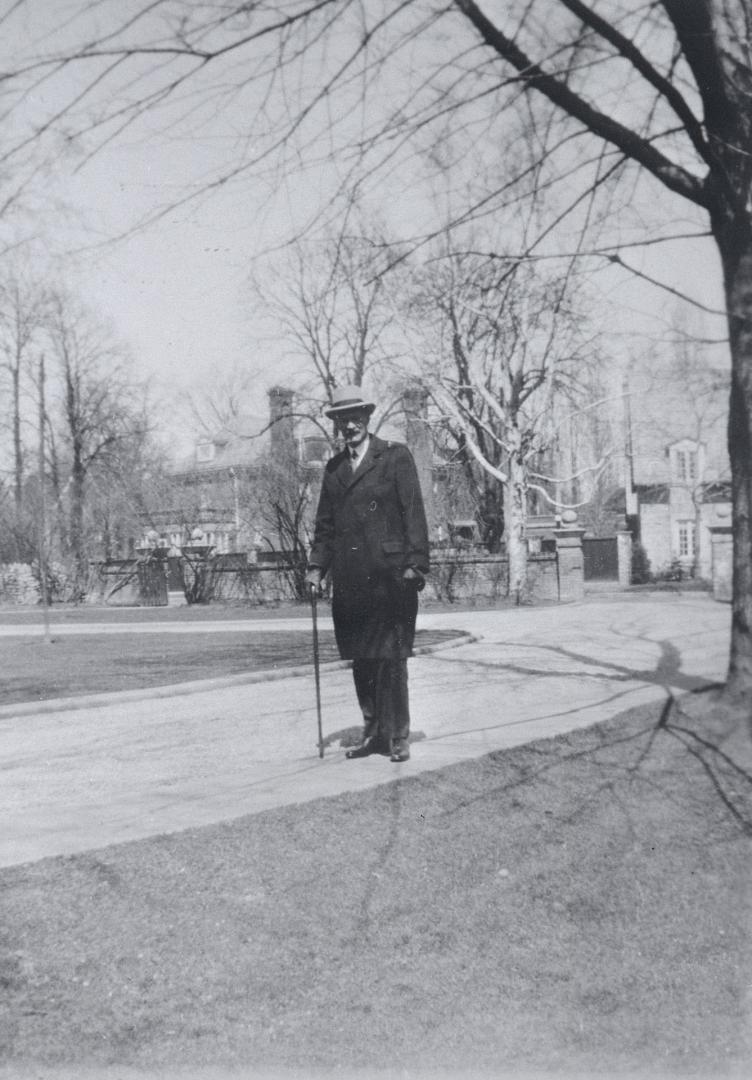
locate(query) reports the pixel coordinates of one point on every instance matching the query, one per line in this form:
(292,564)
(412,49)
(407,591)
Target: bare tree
(22,318)
(224,403)
(98,413)
(704,158)
(664,87)
(278,497)
(125,485)
(585,432)
(329,306)
(509,343)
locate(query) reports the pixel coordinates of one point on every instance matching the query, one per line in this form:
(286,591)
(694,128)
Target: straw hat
(348,399)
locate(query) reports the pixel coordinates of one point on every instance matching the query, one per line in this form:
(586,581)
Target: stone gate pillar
(570,563)
(722,541)
(624,557)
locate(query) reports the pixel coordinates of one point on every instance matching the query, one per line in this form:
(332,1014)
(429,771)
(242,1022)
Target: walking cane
(314,592)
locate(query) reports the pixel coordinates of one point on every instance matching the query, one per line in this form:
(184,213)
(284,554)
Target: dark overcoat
(371,526)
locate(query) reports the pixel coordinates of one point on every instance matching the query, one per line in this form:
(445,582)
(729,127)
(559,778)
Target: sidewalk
(86,777)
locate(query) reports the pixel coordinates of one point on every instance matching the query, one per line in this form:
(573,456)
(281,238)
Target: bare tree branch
(632,145)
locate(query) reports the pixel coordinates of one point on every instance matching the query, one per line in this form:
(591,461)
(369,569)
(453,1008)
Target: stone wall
(463,576)
(18,584)
(456,576)
(543,578)
(128,583)
(255,584)
(655,534)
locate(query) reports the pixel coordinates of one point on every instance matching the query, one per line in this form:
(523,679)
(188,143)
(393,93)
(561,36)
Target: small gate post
(624,556)
(151,569)
(723,556)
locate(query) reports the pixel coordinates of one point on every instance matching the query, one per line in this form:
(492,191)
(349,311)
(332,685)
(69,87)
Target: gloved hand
(413,578)
(313,578)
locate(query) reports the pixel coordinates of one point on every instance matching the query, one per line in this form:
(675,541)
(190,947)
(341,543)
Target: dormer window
(205,451)
(686,465)
(685,462)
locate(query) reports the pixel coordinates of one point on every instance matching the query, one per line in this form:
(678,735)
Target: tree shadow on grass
(731,781)
(667,674)
(713,736)
(728,771)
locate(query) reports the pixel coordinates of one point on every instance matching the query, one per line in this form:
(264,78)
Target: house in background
(206,487)
(213,489)
(249,487)
(677,473)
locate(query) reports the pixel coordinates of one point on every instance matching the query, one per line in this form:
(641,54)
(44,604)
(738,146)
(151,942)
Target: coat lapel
(373,452)
(343,472)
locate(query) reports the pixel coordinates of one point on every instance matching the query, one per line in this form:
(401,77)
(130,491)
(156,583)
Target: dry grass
(580,905)
(97,663)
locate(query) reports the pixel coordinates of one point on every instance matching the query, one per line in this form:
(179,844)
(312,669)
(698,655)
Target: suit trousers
(381,687)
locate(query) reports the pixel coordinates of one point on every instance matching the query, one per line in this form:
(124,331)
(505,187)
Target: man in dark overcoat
(371,538)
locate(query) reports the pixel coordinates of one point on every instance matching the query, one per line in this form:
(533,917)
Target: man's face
(353,427)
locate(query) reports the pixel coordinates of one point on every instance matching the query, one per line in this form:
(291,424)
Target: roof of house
(235,446)
(666,410)
(238,445)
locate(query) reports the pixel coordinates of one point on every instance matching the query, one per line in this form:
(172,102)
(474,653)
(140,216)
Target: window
(686,533)
(205,451)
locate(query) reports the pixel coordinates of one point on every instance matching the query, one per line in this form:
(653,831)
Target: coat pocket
(394,552)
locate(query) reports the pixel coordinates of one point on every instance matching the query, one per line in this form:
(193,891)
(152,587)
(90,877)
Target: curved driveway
(124,767)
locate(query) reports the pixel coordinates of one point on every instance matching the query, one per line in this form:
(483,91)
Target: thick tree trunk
(717,45)
(714,35)
(76,524)
(736,252)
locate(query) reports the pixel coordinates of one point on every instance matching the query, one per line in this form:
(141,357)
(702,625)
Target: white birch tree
(506,345)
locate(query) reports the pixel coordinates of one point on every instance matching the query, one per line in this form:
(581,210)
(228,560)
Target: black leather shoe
(366,748)
(400,750)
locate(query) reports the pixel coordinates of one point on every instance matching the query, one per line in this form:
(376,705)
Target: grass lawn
(68,614)
(75,664)
(579,906)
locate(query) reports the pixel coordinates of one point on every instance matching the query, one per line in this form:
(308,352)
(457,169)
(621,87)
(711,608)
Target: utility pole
(629,489)
(43,511)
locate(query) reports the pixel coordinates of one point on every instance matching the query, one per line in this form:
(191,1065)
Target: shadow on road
(667,672)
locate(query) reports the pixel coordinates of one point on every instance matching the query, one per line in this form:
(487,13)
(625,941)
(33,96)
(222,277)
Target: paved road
(121,769)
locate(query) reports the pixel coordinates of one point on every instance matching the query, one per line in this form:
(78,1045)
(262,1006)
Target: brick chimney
(282,430)
(420,444)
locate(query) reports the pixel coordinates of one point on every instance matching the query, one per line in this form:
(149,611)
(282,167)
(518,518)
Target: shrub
(675,571)
(59,581)
(640,564)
